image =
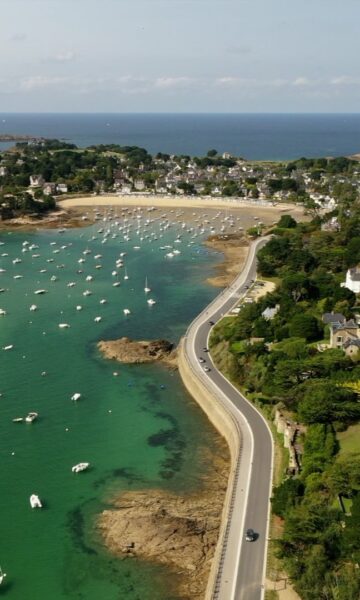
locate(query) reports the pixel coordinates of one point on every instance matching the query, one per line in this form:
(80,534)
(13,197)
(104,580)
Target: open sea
(252,136)
(56,552)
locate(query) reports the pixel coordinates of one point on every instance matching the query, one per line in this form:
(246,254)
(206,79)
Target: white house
(62,188)
(352,281)
(36,181)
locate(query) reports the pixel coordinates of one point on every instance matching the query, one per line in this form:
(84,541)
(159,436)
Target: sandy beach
(258,208)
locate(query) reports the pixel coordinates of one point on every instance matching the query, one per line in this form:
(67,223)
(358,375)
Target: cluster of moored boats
(131,223)
(35,501)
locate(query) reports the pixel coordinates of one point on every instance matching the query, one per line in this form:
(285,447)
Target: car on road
(201,359)
(211,323)
(250,535)
(207,369)
(205,349)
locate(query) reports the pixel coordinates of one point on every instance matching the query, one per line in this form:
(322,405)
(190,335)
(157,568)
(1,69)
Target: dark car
(211,323)
(250,535)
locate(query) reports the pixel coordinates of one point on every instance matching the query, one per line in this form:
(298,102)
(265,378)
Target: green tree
(306,326)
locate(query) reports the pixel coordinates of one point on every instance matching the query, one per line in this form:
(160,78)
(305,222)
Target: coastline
(179,201)
(218,416)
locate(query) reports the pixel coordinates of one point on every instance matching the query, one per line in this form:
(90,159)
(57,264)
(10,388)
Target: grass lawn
(349,440)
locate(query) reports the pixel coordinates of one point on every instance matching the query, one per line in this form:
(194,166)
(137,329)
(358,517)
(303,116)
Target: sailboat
(2,576)
(126,276)
(146,288)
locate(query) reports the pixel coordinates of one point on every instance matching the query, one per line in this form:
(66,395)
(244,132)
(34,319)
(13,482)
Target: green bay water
(138,429)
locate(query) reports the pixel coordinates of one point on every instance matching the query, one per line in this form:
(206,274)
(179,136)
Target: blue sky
(179,56)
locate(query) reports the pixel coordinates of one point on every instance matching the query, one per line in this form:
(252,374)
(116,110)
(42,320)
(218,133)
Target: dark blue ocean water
(253,136)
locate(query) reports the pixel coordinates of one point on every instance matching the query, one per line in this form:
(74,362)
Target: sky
(179,56)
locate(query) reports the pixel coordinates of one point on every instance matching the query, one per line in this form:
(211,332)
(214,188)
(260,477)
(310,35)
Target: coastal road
(242,564)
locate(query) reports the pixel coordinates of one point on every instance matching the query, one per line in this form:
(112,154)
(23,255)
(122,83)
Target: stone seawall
(226,426)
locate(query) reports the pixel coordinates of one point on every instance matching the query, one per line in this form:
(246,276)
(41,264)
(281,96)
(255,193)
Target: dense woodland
(277,363)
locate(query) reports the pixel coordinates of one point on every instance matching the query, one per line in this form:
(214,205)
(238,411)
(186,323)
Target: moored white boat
(76,396)
(80,467)
(2,576)
(35,501)
(30,418)
(146,288)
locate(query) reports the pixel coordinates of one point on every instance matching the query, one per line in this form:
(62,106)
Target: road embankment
(226,426)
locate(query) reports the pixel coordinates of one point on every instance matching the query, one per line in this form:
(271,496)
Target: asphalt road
(242,566)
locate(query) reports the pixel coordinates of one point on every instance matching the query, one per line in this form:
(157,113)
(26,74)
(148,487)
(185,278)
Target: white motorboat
(103,301)
(79,307)
(31,417)
(35,501)
(126,311)
(76,396)
(151,302)
(126,276)
(9,347)
(97,319)
(87,293)
(38,292)
(18,420)
(64,325)
(116,284)
(80,467)
(33,307)
(2,576)
(2,312)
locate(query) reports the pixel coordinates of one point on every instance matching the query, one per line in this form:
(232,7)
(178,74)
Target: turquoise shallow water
(55,552)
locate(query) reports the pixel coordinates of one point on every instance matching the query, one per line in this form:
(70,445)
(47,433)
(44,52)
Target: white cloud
(41,82)
(172,82)
(65,56)
(345,80)
(249,82)
(301,82)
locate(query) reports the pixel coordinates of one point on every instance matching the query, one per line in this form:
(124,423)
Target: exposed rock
(129,351)
(180,532)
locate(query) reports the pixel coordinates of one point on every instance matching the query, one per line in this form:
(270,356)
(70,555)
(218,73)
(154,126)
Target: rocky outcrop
(179,532)
(129,351)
